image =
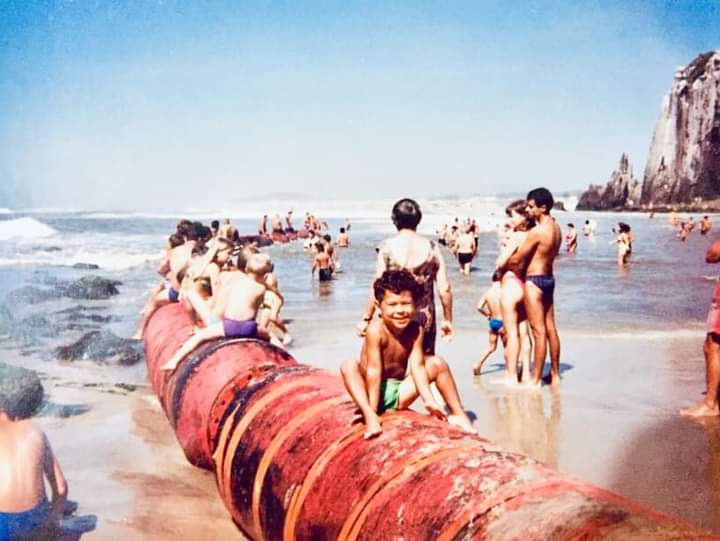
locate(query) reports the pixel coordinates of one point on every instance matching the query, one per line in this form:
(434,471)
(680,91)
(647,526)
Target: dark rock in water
(102,347)
(79,309)
(51,409)
(21,391)
(88,287)
(559,205)
(50,249)
(32,295)
(622,191)
(91,287)
(86,266)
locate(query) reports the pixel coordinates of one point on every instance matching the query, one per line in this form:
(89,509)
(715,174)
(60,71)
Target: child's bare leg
(493,341)
(154,303)
(439,372)
(355,385)
(203,335)
(525,351)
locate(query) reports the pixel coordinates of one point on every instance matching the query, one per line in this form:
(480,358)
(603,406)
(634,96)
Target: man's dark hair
(182,227)
(406,214)
(193,231)
(215,225)
(571,225)
(342,229)
(176,240)
(21,392)
(396,281)
(327,238)
(542,198)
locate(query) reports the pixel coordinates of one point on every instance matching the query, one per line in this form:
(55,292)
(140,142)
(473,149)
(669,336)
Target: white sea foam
(25,228)
(5,210)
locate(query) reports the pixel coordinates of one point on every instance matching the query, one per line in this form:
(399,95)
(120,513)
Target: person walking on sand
(711,350)
(410,251)
(537,254)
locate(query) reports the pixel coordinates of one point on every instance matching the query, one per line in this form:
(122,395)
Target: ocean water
(664,290)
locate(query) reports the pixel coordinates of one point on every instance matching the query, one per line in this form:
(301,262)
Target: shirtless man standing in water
(537,254)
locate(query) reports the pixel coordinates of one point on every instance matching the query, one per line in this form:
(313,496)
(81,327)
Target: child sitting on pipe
(239,308)
(379,381)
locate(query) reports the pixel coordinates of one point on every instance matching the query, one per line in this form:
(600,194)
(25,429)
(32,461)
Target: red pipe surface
(289,465)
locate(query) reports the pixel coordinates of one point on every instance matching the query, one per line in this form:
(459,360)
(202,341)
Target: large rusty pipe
(289,464)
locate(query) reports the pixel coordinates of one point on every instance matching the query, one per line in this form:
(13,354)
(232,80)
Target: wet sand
(613,422)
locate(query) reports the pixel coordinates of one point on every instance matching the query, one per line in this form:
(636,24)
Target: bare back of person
(243,299)
(22,452)
(180,257)
(323,260)
(408,251)
(466,243)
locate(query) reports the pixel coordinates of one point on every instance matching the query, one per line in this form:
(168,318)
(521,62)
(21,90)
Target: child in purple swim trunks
(239,307)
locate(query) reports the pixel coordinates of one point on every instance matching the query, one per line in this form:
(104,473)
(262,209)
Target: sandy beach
(612,423)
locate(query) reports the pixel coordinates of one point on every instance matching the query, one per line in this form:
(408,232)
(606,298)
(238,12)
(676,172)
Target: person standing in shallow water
(537,254)
(711,349)
(412,252)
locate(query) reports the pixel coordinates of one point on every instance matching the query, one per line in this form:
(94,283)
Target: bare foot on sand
(462,422)
(373,428)
(701,410)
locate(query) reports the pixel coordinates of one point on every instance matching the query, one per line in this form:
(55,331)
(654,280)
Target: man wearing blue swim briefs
(537,254)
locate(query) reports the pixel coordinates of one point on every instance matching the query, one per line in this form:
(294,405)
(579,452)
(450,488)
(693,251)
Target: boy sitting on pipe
(379,381)
(238,307)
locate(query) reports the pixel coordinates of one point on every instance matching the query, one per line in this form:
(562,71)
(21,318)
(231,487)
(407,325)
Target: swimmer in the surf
(489,306)
(277,224)
(324,263)
(239,309)
(343,239)
(392,348)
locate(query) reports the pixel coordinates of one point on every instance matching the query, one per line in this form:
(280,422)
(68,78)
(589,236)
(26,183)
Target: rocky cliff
(683,167)
(621,192)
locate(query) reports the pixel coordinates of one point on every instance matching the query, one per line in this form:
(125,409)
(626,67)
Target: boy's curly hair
(396,281)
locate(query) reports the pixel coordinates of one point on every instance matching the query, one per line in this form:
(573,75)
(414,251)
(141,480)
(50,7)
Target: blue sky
(161,105)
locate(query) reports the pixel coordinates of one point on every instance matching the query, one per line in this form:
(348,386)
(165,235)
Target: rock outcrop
(621,192)
(684,162)
(683,167)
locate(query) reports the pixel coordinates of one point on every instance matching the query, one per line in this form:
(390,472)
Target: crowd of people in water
(228,288)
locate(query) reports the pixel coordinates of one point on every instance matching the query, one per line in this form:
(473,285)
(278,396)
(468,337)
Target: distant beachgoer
(624,243)
(683,231)
(26,461)
(277,224)
(571,239)
(465,250)
(347,225)
(489,306)
(537,254)
(705,225)
(512,294)
(239,309)
(690,224)
(310,243)
(271,306)
(288,221)
(673,218)
(262,228)
(215,228)
(392,347)
(343,240)
(324,263)
(410,251)
(711,349)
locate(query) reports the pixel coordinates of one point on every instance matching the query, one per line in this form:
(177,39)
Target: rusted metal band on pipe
(289,465)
